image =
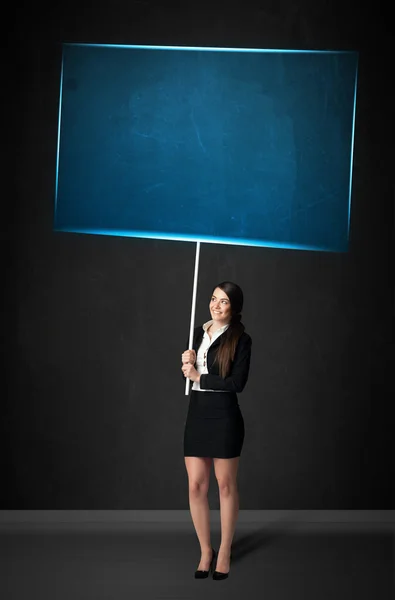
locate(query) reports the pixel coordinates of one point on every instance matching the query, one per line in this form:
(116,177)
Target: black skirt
(214,426)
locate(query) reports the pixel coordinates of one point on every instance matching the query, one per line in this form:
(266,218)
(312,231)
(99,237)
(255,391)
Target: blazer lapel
(198,340)
(215,343)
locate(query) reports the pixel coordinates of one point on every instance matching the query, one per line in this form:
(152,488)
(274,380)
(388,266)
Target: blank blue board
(236,146)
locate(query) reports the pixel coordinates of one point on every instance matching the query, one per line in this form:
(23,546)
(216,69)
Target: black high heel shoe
(205,574)
(217,575)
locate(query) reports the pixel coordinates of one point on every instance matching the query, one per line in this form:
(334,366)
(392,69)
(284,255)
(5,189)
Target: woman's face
(220,308)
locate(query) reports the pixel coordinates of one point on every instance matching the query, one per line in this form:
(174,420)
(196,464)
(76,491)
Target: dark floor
(158,562)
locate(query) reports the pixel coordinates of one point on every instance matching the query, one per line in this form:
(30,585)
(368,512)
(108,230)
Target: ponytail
(227,348)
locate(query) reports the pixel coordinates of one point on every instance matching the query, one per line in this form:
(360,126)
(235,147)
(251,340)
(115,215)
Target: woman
(218,365)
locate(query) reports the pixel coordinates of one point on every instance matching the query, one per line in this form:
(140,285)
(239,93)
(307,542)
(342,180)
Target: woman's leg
(226,474)
(198,469)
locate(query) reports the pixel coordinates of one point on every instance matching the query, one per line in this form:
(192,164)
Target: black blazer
(237,378)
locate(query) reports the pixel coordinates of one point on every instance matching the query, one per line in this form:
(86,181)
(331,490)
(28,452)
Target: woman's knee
(227,486)
(198,475)
(198,489)
(226,475)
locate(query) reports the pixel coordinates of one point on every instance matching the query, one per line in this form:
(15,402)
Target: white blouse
(201,356)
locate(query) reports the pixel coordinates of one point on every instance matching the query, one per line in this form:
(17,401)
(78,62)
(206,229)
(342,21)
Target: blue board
(249,147)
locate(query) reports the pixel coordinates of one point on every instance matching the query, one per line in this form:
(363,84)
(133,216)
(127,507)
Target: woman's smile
(220,307)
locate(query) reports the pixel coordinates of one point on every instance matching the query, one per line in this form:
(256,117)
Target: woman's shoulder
(197,332)
(245,338)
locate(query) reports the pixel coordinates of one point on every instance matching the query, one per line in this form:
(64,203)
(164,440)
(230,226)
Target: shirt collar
(220,330)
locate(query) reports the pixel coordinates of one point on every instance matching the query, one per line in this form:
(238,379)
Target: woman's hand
(189,371)
(189,356)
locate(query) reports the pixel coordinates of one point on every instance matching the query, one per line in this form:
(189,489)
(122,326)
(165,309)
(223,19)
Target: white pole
(192,326)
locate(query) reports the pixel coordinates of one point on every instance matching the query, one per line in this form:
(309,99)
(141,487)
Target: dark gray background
(95,409)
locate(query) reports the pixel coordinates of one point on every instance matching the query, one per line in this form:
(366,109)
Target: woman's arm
(186,346)
(237,379)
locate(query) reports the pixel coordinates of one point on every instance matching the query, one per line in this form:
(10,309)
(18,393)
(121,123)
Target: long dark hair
(227,348)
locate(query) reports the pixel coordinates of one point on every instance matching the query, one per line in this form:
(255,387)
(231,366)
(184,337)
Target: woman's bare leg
(198,469)
(226,474)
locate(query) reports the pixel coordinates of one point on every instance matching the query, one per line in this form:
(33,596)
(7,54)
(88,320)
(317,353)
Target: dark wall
(95,408)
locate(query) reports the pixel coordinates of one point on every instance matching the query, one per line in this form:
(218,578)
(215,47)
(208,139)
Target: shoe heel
(205,574)
(212,564)
(218,576)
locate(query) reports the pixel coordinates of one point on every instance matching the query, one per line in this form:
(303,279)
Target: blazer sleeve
(237,378)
